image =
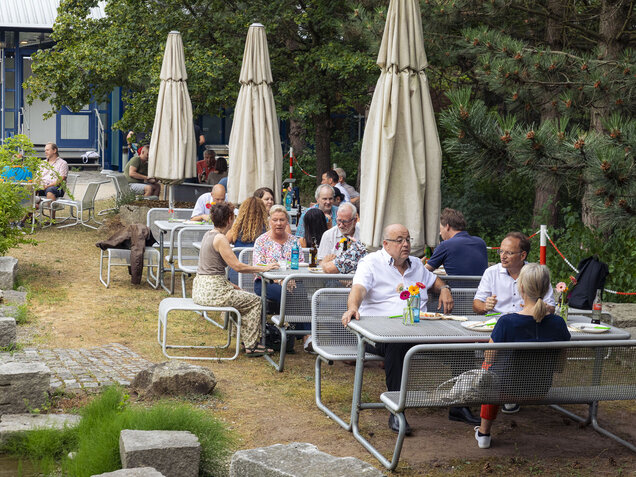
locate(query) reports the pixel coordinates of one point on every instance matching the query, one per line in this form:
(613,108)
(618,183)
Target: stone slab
(8,272)
(174,378)
(173,453)
(12,423)
(8,310)
(296,460)
(23,387)
(135,472)
(7,331)
(14,297)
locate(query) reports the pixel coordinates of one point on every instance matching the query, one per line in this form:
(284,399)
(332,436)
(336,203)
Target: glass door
(76,130)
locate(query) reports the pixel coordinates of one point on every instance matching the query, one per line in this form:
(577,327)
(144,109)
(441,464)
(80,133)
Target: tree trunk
(323,144)
(297,134)
(546,192)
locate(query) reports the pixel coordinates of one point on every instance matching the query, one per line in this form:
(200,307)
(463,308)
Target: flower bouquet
(562,301)
(411,313)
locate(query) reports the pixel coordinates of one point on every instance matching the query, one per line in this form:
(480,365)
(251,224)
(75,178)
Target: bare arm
(428,267)
(222,245)
(445,297)
(132,172)
(482,307)
(327,264)
(357,294)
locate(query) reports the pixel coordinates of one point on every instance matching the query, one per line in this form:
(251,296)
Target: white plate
(424,315)
(315,270)
(487,325)
(303,264)
(589,327)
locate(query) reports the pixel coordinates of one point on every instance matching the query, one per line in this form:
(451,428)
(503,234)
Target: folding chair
(86,203)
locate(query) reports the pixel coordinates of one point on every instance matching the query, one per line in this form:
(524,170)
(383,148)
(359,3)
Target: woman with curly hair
(211,288)
(248,226)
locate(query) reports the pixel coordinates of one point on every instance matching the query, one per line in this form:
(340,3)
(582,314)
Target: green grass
(96,439)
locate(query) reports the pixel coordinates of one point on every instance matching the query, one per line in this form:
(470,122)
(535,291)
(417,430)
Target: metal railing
(101,149)
(22,121)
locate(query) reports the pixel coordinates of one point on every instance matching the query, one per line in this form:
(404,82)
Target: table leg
(161,268)
(172,272)
(357,386)
(263,310)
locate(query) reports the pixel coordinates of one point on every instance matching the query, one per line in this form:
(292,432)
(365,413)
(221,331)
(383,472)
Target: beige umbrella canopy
(255,150)
(401,155)
(172,155)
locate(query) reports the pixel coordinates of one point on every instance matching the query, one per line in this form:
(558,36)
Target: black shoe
(394,425)
(463,414)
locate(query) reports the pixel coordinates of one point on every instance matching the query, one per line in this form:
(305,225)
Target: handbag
(475,385)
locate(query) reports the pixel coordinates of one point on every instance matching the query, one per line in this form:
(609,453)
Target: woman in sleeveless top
(211,288)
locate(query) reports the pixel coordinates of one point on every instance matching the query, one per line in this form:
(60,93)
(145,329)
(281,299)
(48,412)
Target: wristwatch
(445,286)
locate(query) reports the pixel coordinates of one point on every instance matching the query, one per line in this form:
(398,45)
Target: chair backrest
(295,302)
(327,307)
(462,302)
(121,184)
(462,281)
(88,200)
(187,253)
(160,213)
(246,280)
(71,182)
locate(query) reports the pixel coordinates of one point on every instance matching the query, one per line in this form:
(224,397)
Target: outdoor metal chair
(119,257)
(85,204)
(461,281)
(187,253)
(332,341)
(462,302)
(161,213)
(50,204)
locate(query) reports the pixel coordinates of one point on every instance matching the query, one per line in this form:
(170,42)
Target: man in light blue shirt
(324,198)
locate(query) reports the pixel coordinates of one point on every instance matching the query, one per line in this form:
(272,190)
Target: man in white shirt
(353,193)
(201,209)
(497,291)
(331,177)
(375,292)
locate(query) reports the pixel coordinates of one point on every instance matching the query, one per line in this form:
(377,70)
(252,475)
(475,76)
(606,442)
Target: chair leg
(318,382)
(101,269)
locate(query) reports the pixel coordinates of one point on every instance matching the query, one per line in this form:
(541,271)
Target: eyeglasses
(400,240)
(506,253)
(344,222)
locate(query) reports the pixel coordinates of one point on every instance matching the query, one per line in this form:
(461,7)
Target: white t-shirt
(345,192)
(381,279)
(497,281)
(329,240)
(199,207)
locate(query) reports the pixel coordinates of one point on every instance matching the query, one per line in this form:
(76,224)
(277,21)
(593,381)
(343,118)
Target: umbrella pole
(170,202)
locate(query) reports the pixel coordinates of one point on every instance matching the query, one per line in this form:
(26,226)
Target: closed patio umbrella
(401,154)
(172,154)
(255,150)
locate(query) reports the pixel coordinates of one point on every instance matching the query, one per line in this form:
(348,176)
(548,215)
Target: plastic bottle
(295,254)
(597,308)
(289,196)
(313,254)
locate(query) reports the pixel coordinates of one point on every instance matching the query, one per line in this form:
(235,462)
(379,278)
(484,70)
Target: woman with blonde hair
(532,324)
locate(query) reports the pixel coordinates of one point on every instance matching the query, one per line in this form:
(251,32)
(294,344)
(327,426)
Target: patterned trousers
(216,290)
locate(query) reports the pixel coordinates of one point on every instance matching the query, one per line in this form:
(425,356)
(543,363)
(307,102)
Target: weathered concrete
(12,423)
(133,214)
(173,378)
(296,460)
(14,297)
(7,331)
(23,387)
(8,272)
(8,310)
(173,453)
(135,472)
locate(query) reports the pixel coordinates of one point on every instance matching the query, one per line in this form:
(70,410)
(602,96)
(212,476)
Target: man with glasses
(376,290)
(497,292)
(340,247)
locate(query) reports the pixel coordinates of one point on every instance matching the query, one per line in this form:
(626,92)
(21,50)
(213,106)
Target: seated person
(460,253)
(534,322)
(211,288)
(220,171)
(136,172)
(53,176)
(331,177)
(16,172)
(266,195)
(342,178)
(205,201)
(315,227)
(206,166)
(250,224)
(338,197)
(375,292)
(324,197)
(341,249)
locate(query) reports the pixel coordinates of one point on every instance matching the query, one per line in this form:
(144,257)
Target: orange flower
(414,290)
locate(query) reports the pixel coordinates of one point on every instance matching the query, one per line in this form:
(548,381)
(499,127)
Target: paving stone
(12,423)
(7,331)
(173,453)
(8,272)
(296,460)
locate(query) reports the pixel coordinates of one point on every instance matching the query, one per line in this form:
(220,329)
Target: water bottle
(597,308)
(416,308)
(288,198)
(295,254)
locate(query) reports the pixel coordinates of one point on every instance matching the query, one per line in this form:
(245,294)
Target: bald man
(201,210)
(374,293)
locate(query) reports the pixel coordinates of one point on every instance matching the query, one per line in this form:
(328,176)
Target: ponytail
(540,310)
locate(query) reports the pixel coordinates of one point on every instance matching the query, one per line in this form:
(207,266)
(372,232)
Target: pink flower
(405,295)
(561,287)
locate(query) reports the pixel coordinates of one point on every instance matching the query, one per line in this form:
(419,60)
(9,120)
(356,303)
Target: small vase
(562,311)
(407,315)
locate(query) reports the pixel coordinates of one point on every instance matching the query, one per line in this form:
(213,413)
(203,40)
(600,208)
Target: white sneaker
(510,408)
(482,441)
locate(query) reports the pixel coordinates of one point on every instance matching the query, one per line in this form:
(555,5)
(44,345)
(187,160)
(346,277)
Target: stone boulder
(23,387)
(8,272)
(7,331)
(296,460)
(11,424)
(14,297)
(173,378)
(134,472)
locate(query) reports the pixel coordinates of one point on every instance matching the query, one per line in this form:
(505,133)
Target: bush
(96,439)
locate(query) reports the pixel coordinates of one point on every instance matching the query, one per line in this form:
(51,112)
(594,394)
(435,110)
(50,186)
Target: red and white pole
(291,162)
(543,244)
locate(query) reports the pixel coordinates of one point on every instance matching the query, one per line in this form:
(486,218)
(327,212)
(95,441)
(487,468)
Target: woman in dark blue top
(532,324)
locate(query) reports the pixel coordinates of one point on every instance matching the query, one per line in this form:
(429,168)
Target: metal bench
(231,317)
(574,372)
(332,341)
